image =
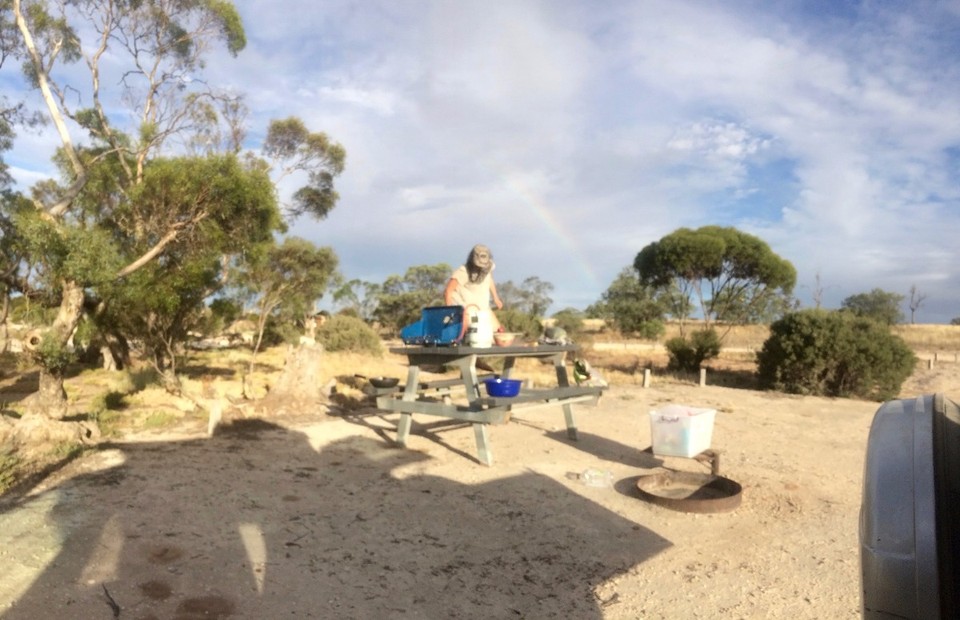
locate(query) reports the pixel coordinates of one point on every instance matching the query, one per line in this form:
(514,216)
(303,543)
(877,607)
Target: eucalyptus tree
(128,199)
(879,305)
(401,298)
(532,296)
(291,276)
(159,303)
(635,309)
(729,272)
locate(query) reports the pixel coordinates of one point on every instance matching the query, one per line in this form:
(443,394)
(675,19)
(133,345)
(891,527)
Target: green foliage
(222,313)
(10,463)
(285,281)
(520,322)
(765,308)
(111,400)
(356,296)
(402,298)
(831,353)
(532,296)
(728,271)
(53,354)
(632,307)
(346,333)
(279,330)
(289,142)
(235,210)
(689,354)
(570,320)
(65,450)
(955,320)
(878,305)
(24,310)
(231,27)
(77,254)
(159,419)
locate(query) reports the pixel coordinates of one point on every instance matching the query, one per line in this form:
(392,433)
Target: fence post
(703,377)
(646,377)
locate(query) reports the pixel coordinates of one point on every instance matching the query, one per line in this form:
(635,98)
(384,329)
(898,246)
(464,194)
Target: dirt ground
(320,515)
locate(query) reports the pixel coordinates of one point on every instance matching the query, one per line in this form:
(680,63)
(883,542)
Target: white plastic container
(479,327)
(679,430)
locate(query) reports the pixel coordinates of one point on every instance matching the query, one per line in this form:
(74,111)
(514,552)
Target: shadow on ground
(257,523)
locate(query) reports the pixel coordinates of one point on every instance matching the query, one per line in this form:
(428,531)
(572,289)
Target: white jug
(479,327)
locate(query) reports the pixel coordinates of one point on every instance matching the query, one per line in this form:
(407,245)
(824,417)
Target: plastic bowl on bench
(499,386)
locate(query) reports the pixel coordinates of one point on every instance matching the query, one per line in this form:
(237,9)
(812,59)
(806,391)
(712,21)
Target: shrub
(831,353)
(570,320)
(520,322)
(276,331)
(9,464)
(347,333)
(688,355)
(52,355)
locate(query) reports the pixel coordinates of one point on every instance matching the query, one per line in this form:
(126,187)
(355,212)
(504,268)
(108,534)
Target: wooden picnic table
(479,409)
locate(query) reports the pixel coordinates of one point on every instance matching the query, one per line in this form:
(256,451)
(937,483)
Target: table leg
(571,422)
(482,436)
(564,381)
(508,364)
(412,389)
(410,392)
(468,373)
(403,428)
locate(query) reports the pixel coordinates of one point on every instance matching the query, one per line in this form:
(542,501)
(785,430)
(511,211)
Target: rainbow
(553,224)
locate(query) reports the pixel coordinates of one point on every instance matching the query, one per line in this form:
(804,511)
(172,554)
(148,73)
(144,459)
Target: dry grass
(930,338)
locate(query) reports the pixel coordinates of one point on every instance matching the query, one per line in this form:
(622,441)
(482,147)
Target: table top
(454,351)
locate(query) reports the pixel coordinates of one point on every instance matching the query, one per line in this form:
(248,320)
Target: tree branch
(43,82)
(158,247)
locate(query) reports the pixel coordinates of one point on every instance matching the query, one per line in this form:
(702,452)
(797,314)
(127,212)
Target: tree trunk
(115,352)
(297,389)
(51,400)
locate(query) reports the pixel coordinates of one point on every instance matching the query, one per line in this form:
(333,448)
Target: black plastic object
(383,382)
(910,511)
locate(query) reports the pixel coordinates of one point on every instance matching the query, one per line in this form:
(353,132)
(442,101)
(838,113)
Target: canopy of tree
(730,273)
(878,305)
(146,216)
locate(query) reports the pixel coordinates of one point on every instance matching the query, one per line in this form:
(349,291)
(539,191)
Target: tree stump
(298,389)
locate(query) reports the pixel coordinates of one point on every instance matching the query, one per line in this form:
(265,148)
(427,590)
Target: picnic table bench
(417,397)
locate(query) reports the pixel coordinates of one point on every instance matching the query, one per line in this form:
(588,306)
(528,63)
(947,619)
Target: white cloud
(569,134)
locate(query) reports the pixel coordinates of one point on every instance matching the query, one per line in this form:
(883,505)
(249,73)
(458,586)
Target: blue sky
(567,135)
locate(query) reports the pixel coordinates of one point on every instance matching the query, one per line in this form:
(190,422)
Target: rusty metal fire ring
(690,491)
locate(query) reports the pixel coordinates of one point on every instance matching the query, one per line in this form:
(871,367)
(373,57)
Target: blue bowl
(502,387)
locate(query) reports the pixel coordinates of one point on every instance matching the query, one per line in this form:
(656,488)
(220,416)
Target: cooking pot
(380,382)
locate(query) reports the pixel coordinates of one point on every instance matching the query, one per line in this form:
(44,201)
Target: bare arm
(496,297)
(452,285)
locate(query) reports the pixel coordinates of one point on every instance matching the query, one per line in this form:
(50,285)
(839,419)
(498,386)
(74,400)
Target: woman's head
(479,262)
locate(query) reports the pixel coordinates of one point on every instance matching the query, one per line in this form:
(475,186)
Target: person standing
(472,284)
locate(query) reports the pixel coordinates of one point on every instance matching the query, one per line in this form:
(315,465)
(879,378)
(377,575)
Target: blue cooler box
(439,325)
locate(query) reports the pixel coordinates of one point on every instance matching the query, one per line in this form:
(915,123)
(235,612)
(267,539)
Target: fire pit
(690,491)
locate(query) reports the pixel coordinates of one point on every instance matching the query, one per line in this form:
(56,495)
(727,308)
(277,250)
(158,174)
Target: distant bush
(347,333)
(520,322)
(830,353)
(688,354)
(570,319)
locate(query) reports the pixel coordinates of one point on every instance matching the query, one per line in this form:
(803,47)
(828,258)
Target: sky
(569,134)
